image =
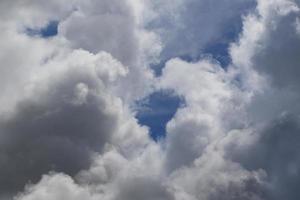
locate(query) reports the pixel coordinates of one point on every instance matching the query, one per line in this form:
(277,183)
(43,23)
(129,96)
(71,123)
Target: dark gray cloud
(272,141)
(279,60)
(57,129)
(247,189)
(274,150)
(143,188)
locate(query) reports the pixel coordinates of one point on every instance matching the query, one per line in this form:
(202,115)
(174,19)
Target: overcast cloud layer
(68,126)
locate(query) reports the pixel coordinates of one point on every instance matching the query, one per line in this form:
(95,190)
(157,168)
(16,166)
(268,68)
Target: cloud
(196,124)
(271,63)
(213,177)
(34,13)
(211,103)
(188,28)
(112,176)
(103,26)
(114,27)
(67,127)
(66,118)
(273,148)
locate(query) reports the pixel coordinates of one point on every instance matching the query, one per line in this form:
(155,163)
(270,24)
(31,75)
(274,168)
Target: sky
(149,99)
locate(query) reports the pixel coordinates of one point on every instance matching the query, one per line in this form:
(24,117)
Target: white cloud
(58,186)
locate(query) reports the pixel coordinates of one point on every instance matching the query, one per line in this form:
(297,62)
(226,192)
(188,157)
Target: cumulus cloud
(65,118)
(198,123)
(272,58)
(103,25)
(67,127)
(114,27)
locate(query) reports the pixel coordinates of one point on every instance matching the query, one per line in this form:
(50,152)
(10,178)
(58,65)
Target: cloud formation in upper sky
(68,114)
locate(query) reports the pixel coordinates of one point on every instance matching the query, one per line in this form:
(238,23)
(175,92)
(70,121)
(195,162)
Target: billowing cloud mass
(68,117)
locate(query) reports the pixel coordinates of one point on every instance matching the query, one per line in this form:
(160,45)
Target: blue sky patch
(156,110)
(48,31)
